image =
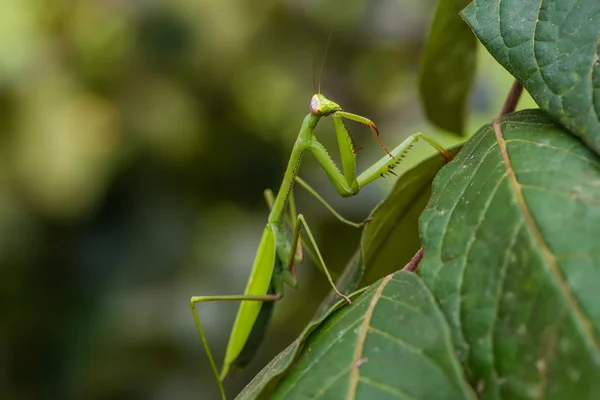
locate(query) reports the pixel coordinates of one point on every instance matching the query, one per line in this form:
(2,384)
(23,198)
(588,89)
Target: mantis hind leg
(301,223)
(202,299)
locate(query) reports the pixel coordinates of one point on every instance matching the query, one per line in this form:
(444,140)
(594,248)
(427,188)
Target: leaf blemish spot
(362,361)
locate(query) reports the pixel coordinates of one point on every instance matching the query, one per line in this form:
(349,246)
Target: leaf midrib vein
(354,372)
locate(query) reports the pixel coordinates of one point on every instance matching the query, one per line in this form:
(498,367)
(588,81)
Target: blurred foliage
(136,138)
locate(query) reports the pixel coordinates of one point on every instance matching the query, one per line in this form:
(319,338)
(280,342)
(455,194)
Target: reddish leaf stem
(413,264)
(512,99)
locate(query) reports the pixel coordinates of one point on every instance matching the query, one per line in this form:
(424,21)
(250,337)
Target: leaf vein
(454,173)
(470,243)
(386,388)
(502,280)
(592,91)
(402,304)
(560,149)
(426,356)
(575,196)
(396,340)
(535,57)
(330,383)
(354,372)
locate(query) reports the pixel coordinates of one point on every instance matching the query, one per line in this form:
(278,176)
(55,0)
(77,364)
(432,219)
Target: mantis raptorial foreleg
(348,184)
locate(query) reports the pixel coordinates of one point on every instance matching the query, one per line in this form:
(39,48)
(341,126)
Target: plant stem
(413,264)
(512,99)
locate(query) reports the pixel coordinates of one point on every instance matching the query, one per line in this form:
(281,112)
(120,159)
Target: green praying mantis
(276,257)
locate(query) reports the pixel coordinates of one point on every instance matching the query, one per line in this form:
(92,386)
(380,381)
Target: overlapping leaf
(391,343)
(512,254)
(448,67)
(551,47)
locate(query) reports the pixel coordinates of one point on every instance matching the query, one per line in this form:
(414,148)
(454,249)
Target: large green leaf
(512,254)
(391,343)
(448,67)
(551,47)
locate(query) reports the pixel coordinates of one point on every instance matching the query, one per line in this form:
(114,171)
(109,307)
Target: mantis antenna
(324,57)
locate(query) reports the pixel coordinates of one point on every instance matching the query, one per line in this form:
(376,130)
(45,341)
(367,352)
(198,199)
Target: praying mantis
(274,263)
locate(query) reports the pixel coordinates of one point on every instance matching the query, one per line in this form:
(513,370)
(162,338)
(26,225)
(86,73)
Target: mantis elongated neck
(303,142)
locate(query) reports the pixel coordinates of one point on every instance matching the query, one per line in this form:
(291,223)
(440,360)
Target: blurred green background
(136,139)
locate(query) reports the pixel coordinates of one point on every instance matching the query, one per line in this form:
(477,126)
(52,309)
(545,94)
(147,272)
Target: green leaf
(390,343)
(512,254)
(264,383)
(551,47)
(448,67)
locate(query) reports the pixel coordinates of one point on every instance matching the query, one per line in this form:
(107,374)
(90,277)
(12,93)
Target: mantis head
(321,106)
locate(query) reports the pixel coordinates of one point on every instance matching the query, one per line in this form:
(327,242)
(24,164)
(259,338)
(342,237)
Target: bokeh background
(136,139)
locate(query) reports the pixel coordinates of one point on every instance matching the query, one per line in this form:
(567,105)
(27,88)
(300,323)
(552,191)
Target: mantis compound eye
(314,105)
